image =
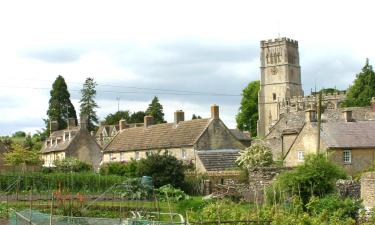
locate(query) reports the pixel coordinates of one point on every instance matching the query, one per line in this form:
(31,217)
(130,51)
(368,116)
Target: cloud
(54,55)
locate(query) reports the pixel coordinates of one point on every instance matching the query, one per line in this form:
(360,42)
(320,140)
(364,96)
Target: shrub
(255,156)
(169,193)
(316,177)
(128,169)
(4,210)
(71,164)
(163,168)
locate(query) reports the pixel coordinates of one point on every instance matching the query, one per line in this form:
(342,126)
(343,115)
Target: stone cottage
(75,141)
(207,143)
(349,140)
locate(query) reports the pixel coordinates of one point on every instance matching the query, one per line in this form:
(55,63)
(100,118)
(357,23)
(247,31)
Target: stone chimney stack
(373,104)
(53,126)
(148,121)
(122,124)
(179,116)
(83,122)
(71,123)
(347,115)
(310,115)
(214,112)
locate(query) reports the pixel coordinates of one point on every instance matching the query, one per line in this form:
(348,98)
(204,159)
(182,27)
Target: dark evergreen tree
(360,93)
(137,117)
(60,107)
(88,104)
(113,119)
(247,116)
(155,109)
(194,117)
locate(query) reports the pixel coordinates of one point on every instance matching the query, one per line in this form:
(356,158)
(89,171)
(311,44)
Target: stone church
(288,119)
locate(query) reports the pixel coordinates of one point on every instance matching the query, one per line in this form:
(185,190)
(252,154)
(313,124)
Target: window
(274,96)
(136,155)
(301,156)
(183,153)
(110,156)
(122,156)
(347,156)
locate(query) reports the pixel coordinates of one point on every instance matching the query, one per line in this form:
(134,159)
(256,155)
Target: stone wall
(349,188)
(368,189)
(260,179)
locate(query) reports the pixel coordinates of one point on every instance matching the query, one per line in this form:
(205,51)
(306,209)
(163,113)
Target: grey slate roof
(349,134)
(218,160)
(63,145)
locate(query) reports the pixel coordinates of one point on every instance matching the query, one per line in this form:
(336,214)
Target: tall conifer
(88,104)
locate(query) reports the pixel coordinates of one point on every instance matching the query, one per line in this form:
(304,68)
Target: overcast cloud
(138,49)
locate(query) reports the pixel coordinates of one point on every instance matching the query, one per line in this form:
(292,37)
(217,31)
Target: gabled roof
(218,160)
(349,134)
(159,136)
(63,145)
(241,135)
(108,129)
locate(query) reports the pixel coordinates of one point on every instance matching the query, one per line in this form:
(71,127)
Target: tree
(113,119)
(163,168)
(60,107)
(18,155)
(363,88)
(155,109)
(88,104)
(19,134)
(137,117)
(194,117)
(247,116)
(255,156)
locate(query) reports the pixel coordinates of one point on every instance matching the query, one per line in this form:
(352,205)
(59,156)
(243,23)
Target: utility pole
(319,117)
(118,103)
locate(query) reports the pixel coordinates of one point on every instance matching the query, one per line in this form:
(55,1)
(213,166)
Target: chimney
(179,116)
(53,126)
(148,121)
(214,112)
(122,124)
(310,115)
(71,123)
(373,104)
(347,115)
(83,121)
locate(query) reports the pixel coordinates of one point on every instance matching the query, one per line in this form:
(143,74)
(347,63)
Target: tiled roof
(349,134)
(160,136)
(63,145)
(240,135)
(218,160)
(108,128)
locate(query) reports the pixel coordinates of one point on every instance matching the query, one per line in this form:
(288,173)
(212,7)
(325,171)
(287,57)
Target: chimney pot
(122,124)
(373,104)
(310,115)
(53,126)
(84,120)
(214,112)
(347,115)
(148,121)
(179,116)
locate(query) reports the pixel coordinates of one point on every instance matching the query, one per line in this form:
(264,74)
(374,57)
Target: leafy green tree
(127,169)
(363,88)
(18,155)
(88,104)
(255,156)
(137,117)
(247,116)
(60,107)
(155,109)
(194,117)
(317,176)
(163,168)
(113,119)
(19,134)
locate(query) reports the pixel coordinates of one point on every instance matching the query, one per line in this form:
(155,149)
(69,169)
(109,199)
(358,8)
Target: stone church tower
(280,79)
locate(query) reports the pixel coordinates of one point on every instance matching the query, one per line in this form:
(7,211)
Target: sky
(191,54)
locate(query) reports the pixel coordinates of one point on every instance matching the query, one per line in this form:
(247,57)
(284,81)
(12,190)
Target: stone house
(75,141)
(207,143)
(349,141)
(105,133)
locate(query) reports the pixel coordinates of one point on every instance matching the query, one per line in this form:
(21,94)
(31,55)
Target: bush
(255,156)
(316,177)
(169,193)
(193,184)
(163,168)
(71,164)
(128,169)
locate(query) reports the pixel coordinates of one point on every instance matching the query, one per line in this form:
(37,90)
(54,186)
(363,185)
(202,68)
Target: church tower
(280,79)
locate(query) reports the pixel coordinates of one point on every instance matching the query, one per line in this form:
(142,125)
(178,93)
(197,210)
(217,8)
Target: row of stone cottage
(206,143)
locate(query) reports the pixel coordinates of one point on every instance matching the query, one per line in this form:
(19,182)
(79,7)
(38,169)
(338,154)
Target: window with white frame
(347,156)
(183,153)
(122,158)
(136,155)
(300,156)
